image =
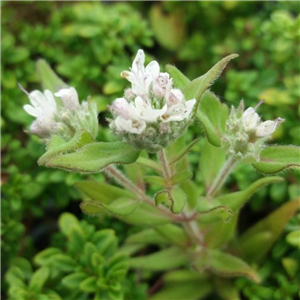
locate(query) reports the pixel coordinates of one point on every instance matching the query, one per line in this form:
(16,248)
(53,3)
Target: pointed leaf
(89,284)
(92,208)
(48,78)
(38,279)
(73,280)
(224,264)
(213,115)
(197,87)
(92,157)
(102,192)
(273,224)
(179,199)
(278,158)
(236,200)
(161,261)
(155,180)
(181,176)
(179,79)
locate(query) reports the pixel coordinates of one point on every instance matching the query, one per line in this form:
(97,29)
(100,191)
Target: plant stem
(165,165)
(128,184)
(222,176)
(192,230)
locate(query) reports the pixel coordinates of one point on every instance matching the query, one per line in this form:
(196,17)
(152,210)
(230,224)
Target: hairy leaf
(274,159)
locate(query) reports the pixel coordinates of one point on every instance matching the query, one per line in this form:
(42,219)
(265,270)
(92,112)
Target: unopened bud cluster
(63,116)
(152,113)
(246,134)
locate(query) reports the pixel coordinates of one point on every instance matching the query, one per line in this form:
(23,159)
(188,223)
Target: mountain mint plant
(192,221)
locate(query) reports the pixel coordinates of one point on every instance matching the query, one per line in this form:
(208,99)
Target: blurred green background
(88,44)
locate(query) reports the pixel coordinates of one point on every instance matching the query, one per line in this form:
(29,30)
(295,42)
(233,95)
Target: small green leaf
(44,257)
(291,266)
(67,222)
(181,176)
(155,180)
(179,200)
(48,78)
(273,224)
(89,284)
(213,115)
(64,262)
(179,79)
(73,280)
(293,238)
(148,163)
(163,197)
(38,279)
(161,261)
(224,264)
(278,158)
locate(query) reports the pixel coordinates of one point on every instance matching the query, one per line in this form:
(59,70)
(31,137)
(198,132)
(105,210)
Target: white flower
(43,107)
(250,119)
(69,97)
(252,123)
(266,128)
(141,77)
(179,111)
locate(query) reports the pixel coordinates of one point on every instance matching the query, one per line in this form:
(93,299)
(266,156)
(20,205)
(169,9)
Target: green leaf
(148,237)
(179,200)
(64,262)
(44,257)
(102,192)
(89,284)
(173,234)
(161,261)
(278,158)
(181,176)
(38,279)
(267,231)
(179,79)
(216,213)
(293,238)
(67,222)
(236,200)
(155,180)
(73,280)
(213,115)
(211,161)
(223,264)
(219,233)
(90,158)
(148,163)
(92,208)
(48,78)
(197,87)
(183,290)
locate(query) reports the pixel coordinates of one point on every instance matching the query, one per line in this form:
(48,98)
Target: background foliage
(88,44)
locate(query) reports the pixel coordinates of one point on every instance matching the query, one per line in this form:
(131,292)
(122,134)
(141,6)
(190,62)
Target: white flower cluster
(152,113)
(246,133)
(63,117)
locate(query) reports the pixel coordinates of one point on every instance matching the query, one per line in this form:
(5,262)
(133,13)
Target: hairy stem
(128,184)
(221,178)
(164,164)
